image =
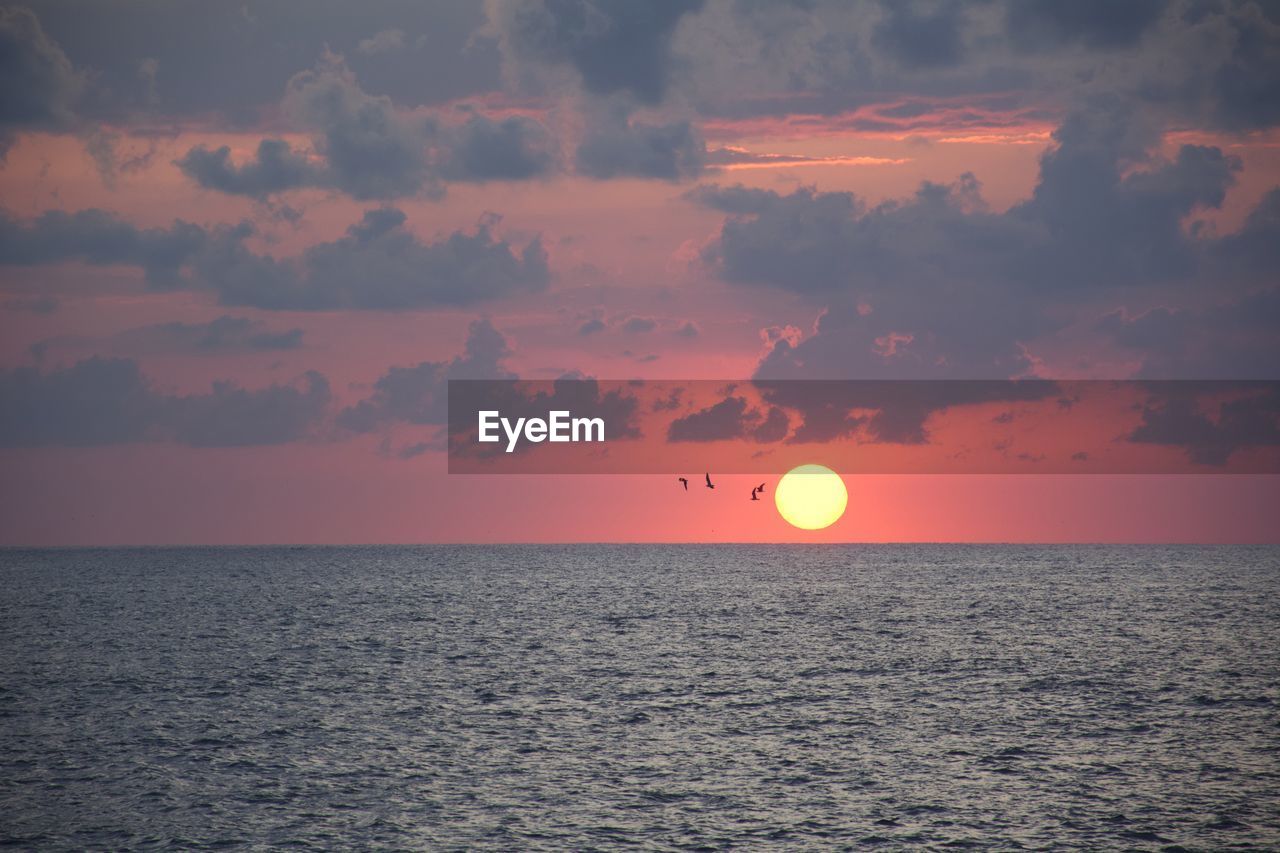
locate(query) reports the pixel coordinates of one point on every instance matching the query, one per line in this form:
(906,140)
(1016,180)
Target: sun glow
(811,497)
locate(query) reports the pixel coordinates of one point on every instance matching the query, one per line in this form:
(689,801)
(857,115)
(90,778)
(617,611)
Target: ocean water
(670,697)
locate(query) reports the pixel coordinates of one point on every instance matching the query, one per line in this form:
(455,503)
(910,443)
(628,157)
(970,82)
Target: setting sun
(811,497)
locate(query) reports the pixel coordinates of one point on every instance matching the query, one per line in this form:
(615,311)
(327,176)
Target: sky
(244,247)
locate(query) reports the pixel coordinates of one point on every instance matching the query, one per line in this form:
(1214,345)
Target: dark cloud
(512,149)
(639,325)
(384,41)
(616,46)
(592,326)
(1235,340)
(1230,68)
(225,334)
(230,416)
(276,168)
(372,151)
(621,147)
(939,285)
(773,428)
(1103,212)
(480,149)
(101,238)
(890,411)
(1252,254)
(108,401)
(918,288)
(728,419)
(719,422)
(921,37)
(1210,433)
(1213,64)
(40,87)
(1105,222)
(418,394)
(1036,24)
(379,264)
(37,304)
(97,401)
(671,402)
(188,59)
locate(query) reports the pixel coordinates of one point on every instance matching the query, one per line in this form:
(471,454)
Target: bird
(753,493)
(684,483)
(760,488)
(710,485)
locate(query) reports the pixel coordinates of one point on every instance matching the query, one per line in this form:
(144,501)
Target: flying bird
(710,485)
(753,493)
(684,483)
(760,488)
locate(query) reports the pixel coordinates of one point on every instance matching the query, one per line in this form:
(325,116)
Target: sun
(811,497)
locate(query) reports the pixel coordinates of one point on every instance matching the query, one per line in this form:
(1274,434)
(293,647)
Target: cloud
(371,150)
(1034,25)
(480,149)
(939,285)
(173,61)
(1229,74)
(222,335)
(102,401)
(728,419)
(1093,219)
(37,304)
(618,146)
(101,238)
(731,157)
(40,87)
(615,46)
(230,416)
(773,428)
(1178,418)
(592,326)
(1252,254)
(1106,222)
(378,265)
(97,401)
(1230,340)
(637,325)
(276,168)
(515,148)
(918,37)
(381,265)
(418,394)
(1207,64)
(719,422)
(383,41)
(888,411)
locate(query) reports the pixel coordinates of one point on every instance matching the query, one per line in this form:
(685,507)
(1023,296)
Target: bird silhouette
(684,482)
(710,485)
(760,488)
(753,493)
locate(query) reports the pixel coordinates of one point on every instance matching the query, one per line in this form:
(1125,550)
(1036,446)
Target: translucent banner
(863,426)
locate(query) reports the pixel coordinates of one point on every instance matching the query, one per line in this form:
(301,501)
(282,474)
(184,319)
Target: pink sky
(639,247)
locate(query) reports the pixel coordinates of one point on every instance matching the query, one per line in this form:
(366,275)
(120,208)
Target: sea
(681,697)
